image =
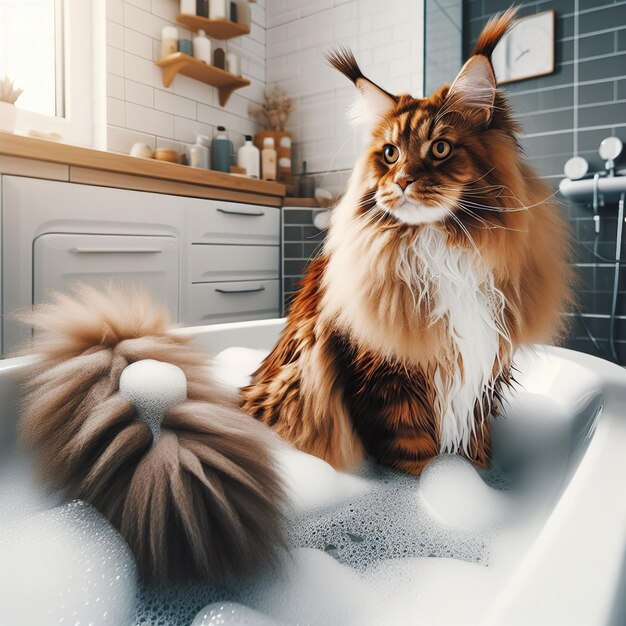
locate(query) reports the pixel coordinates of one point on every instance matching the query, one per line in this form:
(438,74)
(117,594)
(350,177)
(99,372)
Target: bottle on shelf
(249,157)
(232,13)
(219,58)
(268,159)
(169,41)
(202,8)
(221,151)
(244,13)
(199,152)
(188,7)
(202,47)
(232,63)
(217,9)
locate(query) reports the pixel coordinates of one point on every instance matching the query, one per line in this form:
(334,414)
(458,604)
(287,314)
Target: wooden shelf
(180,63)
(148,174)
(218,29)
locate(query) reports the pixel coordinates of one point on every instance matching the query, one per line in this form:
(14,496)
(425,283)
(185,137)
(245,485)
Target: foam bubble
(231,614)
(20,495)
(153,387)
(312,484)
(234,366)
(66,565)
(456,495)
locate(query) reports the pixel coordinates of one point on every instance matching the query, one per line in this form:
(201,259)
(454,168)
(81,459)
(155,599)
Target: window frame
(76,68)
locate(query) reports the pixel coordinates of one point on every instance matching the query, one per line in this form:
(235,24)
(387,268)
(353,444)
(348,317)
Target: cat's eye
(390,153)
(440,149)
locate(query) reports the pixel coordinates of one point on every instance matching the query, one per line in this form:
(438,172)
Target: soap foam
(377,547)
(66,565)
(234,366)
(231,614)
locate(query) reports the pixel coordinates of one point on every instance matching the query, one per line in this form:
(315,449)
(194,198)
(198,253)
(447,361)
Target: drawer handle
(116,250)
(253,290)
(246,213)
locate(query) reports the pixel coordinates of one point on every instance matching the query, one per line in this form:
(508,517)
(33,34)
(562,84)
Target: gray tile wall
(302,241)
(556,128)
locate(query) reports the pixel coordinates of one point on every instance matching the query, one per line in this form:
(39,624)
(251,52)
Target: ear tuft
(342,59)
(374,102)
(498,26)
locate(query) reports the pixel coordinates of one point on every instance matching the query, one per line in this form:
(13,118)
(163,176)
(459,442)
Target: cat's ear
(475,87)
(374,102)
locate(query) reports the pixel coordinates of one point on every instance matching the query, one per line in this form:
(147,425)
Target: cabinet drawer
(213,303)
(211,263)
(61,260)
(212,221)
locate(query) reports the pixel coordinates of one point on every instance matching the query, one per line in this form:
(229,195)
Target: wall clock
(527,50)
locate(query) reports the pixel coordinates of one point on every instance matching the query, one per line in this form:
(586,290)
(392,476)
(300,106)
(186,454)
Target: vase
(8,115)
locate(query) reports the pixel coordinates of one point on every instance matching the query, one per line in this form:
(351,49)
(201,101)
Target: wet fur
(204,501)
(378,355)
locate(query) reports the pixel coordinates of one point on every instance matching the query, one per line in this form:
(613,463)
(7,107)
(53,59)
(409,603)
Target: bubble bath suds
(377,547)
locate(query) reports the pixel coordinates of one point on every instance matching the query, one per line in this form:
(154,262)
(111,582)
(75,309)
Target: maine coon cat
(444,256)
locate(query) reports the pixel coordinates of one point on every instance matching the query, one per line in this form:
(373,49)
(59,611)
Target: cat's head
(434,158)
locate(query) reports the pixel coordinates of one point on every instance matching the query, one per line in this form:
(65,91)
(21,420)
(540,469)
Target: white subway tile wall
(387,39)
(141,109)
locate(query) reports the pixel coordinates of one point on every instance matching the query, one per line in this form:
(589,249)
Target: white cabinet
(209,261)
(214,303)
(147,262)
(218,263)
(212,221)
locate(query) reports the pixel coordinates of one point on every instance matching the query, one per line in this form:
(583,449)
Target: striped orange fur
(444,256)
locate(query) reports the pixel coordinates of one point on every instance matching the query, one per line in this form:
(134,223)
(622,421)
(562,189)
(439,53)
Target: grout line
(576,33)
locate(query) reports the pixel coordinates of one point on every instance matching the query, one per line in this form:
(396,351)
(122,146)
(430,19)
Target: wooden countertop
(88,158)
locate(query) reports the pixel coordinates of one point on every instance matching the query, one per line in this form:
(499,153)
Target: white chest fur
(460,290)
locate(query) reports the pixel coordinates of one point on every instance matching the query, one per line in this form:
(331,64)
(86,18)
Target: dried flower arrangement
(276,110)
(8,92)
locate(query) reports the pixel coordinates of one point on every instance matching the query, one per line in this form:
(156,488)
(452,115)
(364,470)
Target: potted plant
(8,113)
(274,114)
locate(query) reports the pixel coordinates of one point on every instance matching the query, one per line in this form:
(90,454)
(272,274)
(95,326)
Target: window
(46,48)
(31,52)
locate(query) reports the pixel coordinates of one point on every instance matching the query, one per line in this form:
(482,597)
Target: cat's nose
(404,181)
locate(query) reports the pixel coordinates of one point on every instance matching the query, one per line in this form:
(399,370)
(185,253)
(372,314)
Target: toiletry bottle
(205,142)
(268,159)
(244,13)
(188,7)
(202,47)
(232,63)
(221,150)
(219,58)
(306,188)
(217,9)
(202,8)
(233,11)
(199,153)
(248,157)
(169,41)
(284,158)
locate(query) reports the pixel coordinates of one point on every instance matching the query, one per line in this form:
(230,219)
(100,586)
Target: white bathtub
(561,556)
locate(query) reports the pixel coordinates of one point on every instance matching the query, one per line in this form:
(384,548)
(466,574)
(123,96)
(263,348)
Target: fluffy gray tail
(204,501)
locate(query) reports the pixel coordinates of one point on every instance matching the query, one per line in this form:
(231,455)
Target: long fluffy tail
(201,502)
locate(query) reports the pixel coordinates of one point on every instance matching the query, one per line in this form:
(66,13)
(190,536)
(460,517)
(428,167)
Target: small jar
(169,41)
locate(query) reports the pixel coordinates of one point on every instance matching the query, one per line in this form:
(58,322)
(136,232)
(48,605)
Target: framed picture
(527,50)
